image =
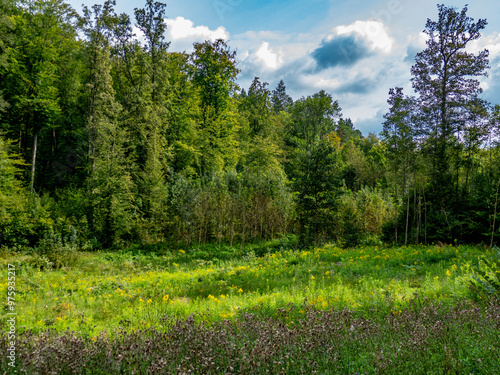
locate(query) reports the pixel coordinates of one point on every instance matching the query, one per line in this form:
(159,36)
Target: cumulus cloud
(183,33)
(352,43)
(374,32)
(416,43)
(270,58)
(490,42)
(340,51)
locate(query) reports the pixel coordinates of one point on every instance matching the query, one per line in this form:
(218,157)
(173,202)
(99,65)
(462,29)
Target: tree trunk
(494,215)
(33,160)
(407,217)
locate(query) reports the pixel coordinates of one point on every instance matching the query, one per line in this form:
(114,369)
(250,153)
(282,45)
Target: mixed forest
(108,140)
(156,218)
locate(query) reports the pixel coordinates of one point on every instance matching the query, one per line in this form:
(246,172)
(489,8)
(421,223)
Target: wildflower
(240,290)
(165,298)
(149,300)
(312,277)
(141,300)
(448,273)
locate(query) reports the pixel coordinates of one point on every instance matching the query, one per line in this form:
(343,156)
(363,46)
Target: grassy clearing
(105,291)
(326,310)
(424,339)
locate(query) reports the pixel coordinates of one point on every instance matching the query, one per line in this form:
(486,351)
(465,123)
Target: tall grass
(104,291)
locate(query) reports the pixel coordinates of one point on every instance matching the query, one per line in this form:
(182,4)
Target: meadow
(331,310)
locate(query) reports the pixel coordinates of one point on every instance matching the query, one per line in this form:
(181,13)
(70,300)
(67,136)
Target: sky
(356,50)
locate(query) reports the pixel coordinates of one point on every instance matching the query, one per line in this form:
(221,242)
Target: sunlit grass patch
(104,291)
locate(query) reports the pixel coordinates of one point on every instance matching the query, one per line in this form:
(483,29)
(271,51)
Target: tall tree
(214,76)
(313,117)
(313,163)
(110,182)
(258,105)
(148,118)
(151,21)
(445,78)
(45,37)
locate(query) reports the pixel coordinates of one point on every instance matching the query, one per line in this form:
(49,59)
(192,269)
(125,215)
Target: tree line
(123,142)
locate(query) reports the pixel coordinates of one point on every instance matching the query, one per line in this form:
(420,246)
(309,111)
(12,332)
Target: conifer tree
(280,99)
(110,183)
(445,78)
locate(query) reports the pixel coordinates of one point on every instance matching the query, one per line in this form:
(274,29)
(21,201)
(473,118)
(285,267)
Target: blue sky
(354,49)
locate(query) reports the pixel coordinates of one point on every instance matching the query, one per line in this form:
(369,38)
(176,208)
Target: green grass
(103,291)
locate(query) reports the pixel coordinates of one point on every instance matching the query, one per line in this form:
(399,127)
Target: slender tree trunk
(494,215)
(407,217)
(419,217)
(425,220)
(316,219)
(33,160)
(408,200)
(396,204)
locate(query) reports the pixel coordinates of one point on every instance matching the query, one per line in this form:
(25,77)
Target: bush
(56,251)
(485,282)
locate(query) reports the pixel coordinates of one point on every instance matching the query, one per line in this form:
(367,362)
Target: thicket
(118,142)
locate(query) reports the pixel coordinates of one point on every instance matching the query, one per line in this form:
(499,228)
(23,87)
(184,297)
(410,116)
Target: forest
(108,141)
(156,218)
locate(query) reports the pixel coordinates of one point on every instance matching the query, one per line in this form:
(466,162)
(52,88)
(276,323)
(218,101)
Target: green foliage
(281,101)
(444,76)
(214,74)
(141,146)
(361,217)
(44,41)
(485,282)
(55,251)
(230,207)
(346,131)
(22,215)
(314,164)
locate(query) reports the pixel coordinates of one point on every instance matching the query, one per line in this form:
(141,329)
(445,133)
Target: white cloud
(266,55)
(182,33)
(418,40)
(374,32)
(490,42)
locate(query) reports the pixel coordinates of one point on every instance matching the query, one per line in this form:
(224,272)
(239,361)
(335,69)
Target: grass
(416,309)
(104,291)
